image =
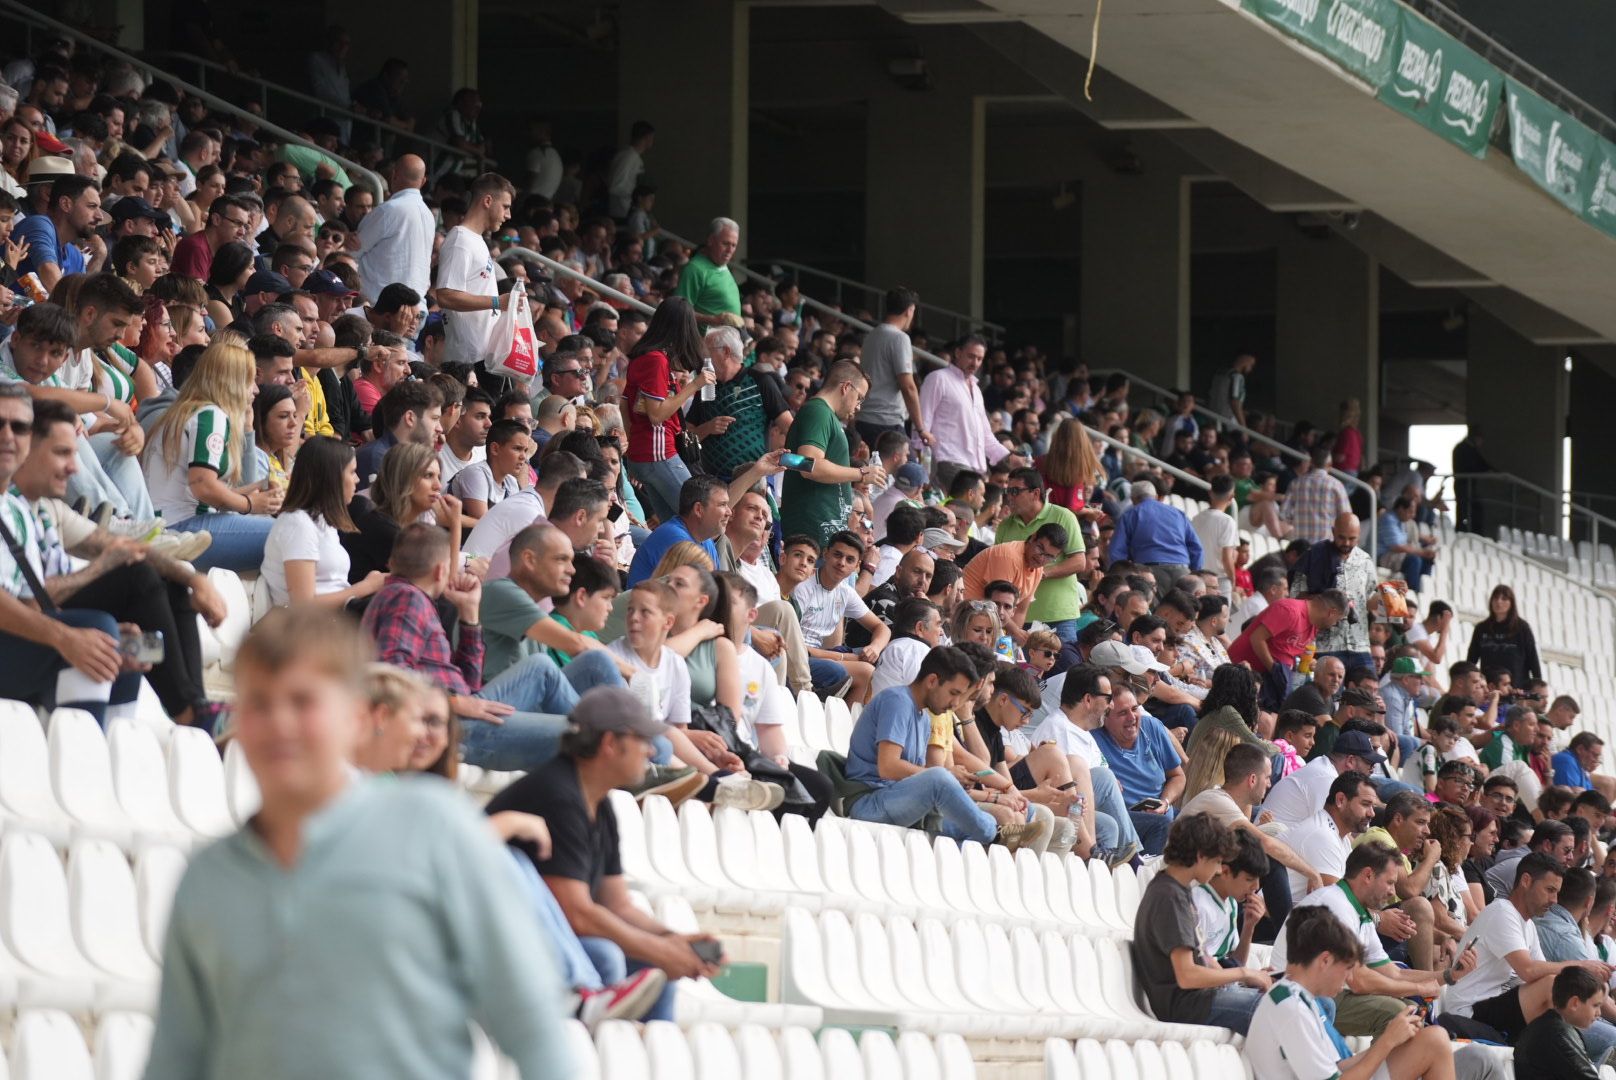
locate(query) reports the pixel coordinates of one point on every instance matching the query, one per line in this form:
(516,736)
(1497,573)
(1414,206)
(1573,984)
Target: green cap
(1407,665)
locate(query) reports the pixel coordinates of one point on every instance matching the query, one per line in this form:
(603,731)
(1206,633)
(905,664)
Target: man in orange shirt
(1020,562)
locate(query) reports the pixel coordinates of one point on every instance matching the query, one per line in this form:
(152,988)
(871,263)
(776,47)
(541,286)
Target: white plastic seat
(150,714)
(802,857)
(665,851)
(157,876)
(951,881)
(240,785)
(954,1061)
(620,1052)
(25,791)
(261,603)
(1128,888)
(1115,979)
(981,959)
(636,857)
(667,1051)
(1058,889)
(831,842)
(880,1056)
(1092,1063)
(800,1057)
(1124,1066)
(122,1044)
(1029,881)
(196,783)
(864,863)
(771,863)
(713,1052)
(140,781)
(979,880)
(700,846)
(1079,873)
(1105,897)
(81,777)
(1175,1059)
(35,929)
(1100,1000)
(838,725)
(811,716)
(757,1056)
(230,633)
(1007,885)
(842,967)
(47,1045)
(103,912)
(841,1057)
(932,993)
(1060,1060)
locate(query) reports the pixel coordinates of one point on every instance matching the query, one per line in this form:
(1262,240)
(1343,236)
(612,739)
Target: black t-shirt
(580,849)
(992,736)
(1309,699)
(883,600)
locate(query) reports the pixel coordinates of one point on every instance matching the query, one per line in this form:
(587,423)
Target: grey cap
(1114,654)
(932,539)
(615,709)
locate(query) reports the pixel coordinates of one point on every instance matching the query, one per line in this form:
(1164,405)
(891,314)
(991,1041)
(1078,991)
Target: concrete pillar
(923,196)
(1593,444)
(1516,399)
(1135,297)
(684,67)
(1327,333)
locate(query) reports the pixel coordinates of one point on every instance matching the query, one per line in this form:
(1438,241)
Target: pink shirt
(1290,632)
(952,404)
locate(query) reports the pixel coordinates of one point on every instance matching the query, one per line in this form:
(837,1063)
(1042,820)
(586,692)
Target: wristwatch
(364,352)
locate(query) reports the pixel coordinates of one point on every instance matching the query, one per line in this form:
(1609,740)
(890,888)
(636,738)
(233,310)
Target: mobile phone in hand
(711,952)
(797,462)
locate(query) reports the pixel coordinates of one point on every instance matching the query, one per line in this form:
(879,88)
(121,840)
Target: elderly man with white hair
(1158,535)
(706,280)
(748,415)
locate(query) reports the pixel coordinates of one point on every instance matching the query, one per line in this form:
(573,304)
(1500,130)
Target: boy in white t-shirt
(1225,932)
(1420,770)
(1287,1039)
(502,473)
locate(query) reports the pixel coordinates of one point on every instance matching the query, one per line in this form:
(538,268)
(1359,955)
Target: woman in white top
(304,560)
(193,461)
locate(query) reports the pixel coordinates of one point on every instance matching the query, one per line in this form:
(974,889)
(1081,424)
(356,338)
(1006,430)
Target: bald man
(291,221)
(1339,563)
(395,239)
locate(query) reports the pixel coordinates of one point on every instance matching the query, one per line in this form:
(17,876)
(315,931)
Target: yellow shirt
(942,734)
(318,422)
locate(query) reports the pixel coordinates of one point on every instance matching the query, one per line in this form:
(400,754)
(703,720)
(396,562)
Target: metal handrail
(1287,451)
(1158,462)
(266,86)
(819,306)
(962,321)
(27,14)
(566,271)
(1560,501)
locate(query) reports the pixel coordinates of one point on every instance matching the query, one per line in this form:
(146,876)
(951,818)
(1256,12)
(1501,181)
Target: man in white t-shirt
(917,627)
(1299,798)
(824,597)
(1084,699)
(744,549)
(465,444)
(1512,984)
(1327,841)
(1218,533)
(468,280)
(1375,990)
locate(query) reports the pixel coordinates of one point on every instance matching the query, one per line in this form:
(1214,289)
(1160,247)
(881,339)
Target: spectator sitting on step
(1181,986)
(887,754)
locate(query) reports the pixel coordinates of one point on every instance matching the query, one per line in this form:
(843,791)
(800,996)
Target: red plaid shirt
(409,634)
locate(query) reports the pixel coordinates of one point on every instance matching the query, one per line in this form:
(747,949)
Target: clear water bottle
(708,390)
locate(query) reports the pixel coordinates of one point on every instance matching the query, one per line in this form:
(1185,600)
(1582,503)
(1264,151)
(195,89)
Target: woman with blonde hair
(408,489)
(975,620)
(683,553)
(1071,468)
(1347,453)
(396,725)
(193,462)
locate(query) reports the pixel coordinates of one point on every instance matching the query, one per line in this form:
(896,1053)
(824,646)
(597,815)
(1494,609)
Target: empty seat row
(1088,1059)
(121,785)
(88,939)
(48,1044)
(736,863)
(979,979)
(662,1051)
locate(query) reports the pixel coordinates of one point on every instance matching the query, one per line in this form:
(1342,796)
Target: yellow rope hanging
(1094,50)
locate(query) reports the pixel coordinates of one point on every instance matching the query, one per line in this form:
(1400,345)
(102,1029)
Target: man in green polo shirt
(1514,743)
(706,280)
(1060,597)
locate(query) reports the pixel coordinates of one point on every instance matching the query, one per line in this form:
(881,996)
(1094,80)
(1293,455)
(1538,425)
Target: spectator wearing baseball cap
(1400,690)
(332,296)
(904,490)
(265,287)
(134,216)
(608,746)
(1299,798)
(1357,703)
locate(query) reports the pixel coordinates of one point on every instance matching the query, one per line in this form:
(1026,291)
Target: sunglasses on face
(1040,652)
(19,428)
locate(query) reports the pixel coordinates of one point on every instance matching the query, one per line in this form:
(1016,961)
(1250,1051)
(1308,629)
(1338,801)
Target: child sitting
(1442,734)
(1294,734)
(1552,1046)
(586,606)
(1041,649)
(1225,932)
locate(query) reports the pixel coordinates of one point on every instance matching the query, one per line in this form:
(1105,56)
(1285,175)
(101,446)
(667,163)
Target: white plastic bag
(513,348)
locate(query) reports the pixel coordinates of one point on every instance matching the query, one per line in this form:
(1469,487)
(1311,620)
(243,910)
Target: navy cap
(267,281)
(325,283)
(133,206)
(1357,744)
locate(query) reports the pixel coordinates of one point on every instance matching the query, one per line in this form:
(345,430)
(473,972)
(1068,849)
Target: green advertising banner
(1601,209)
(1551,147)
(1360,35)
(1445,86)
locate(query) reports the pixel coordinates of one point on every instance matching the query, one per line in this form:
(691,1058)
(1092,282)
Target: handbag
(513,346)
(718,719)
(688,444)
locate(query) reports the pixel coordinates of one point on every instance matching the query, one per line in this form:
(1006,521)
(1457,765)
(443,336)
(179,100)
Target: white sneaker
(746,794)
(181,546)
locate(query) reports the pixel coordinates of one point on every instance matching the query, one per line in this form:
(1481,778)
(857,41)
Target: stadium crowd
(222,352)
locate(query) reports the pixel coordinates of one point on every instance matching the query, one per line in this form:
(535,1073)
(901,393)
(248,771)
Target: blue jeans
(106,474)
(577,970)
(827,675)
(660,482)
(1066,630)
(1232,1007)
(1152,829)
(908,801)
(543,696)
(39,675)
(614,967)
(1386,787)
(238,539)
(1598,1039)
(1111,816)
